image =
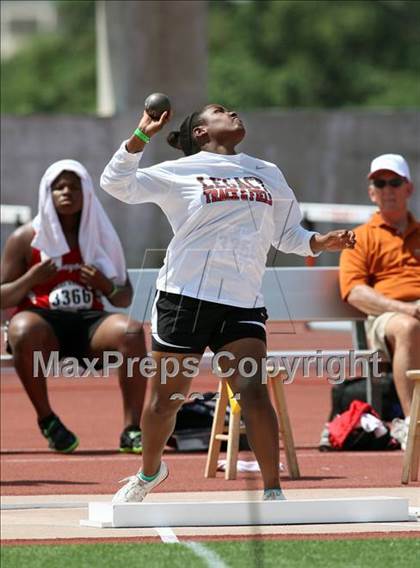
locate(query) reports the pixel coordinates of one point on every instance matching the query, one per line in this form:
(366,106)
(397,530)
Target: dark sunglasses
(394,182)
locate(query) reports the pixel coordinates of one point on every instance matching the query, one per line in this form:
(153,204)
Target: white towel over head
(99,243)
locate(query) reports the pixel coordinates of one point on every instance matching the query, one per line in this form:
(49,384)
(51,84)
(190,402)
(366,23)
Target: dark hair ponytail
(173,139)
(184,139)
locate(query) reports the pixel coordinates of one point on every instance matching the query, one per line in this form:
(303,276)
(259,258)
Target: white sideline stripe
(210,558)
(24,506)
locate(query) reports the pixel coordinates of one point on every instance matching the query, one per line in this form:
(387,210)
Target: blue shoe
(273,495)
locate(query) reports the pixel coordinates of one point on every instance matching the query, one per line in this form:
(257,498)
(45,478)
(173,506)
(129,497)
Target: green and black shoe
(130,440)
(60,439)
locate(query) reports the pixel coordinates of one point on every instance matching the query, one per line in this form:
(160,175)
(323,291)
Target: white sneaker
(136,489)
(273,495)
(399,431)
(324,442)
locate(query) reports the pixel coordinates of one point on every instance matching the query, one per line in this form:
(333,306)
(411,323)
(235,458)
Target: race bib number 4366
(70,296)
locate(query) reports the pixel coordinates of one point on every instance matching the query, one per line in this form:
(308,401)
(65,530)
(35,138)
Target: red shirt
(65,290)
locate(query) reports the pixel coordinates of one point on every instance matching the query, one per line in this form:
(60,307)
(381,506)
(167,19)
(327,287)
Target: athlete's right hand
(150,126)
(42,271)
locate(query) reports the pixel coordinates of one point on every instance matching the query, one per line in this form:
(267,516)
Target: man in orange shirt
(381,275)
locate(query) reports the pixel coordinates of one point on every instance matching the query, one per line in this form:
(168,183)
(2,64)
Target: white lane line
(76,458)
(209,557)
(212,559)
(167,535)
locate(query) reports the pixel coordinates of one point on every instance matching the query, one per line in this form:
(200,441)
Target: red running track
(92,408)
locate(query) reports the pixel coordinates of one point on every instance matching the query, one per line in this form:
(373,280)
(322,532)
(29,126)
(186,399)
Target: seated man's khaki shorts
(375,331)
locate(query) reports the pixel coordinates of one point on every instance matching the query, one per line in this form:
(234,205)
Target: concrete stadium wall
(324,156)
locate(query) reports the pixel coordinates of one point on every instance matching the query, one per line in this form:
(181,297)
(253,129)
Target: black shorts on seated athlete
(73,329)
(181,324)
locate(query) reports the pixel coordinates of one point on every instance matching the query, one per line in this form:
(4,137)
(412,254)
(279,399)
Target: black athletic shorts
(74,330)
(181,324)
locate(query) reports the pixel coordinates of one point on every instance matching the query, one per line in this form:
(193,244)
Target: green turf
(371,553)
(99,555)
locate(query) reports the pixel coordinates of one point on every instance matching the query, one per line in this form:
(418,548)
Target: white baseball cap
(392,162)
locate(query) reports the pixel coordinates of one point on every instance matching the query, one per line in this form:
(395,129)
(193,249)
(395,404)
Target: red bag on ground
(343,424)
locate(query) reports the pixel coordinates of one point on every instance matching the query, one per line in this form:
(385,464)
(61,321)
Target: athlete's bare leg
(257,411)
(159,416)
(29,333)
(119,333)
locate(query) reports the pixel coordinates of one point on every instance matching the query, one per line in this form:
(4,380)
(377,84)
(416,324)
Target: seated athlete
(56,271)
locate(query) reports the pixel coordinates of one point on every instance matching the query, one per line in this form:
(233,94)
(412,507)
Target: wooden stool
(218,431)
(412,452)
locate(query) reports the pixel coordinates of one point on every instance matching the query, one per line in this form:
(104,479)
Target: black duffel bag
(193,425)
(355,389)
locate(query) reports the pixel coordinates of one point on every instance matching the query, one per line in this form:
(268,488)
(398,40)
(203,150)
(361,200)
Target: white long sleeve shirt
(225,212)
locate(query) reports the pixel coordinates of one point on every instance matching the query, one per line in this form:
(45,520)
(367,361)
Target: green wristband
(143,137)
